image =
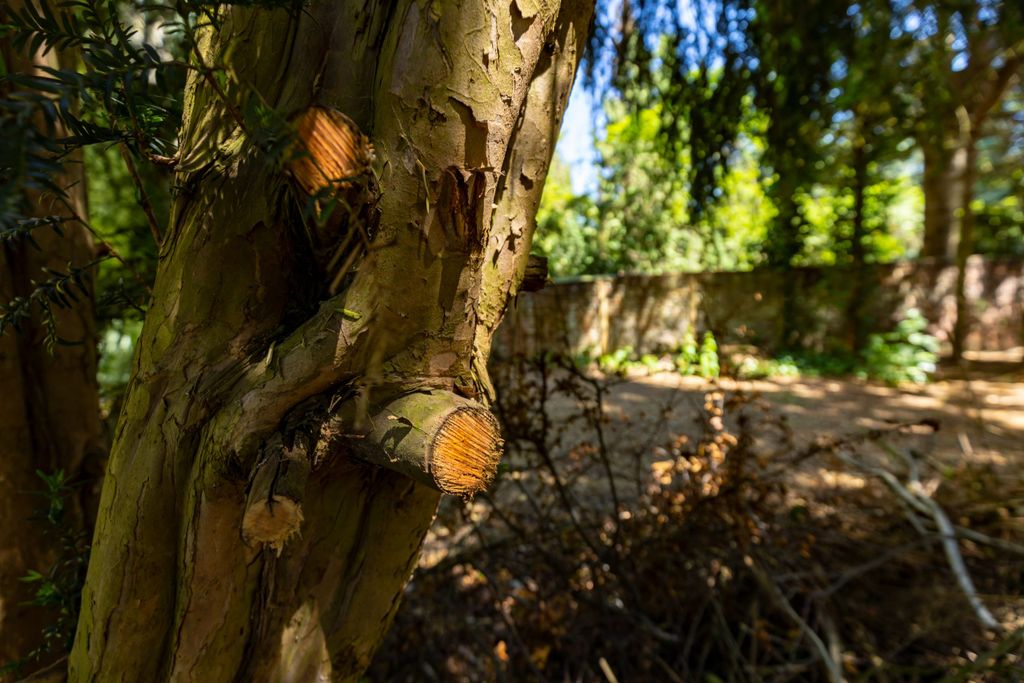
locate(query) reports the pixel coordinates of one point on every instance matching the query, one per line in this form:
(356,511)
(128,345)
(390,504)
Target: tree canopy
(844,109)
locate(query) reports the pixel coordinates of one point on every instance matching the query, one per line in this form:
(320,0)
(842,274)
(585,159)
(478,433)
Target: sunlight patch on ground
(990,414)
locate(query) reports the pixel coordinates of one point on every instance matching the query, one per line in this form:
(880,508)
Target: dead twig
(915,496)
(831,666)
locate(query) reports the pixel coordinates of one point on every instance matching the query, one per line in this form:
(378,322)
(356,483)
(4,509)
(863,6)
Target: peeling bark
(243,344)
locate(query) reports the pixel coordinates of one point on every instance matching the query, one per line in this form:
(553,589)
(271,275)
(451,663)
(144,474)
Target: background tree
(564,224)
(637,220)
(641,197)
(49,415)
(964,57)
(838,87)
(719,54)
(999,216)
(871,135)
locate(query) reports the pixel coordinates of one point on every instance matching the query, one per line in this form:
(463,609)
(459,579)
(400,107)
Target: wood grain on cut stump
(332,151)
(438,438)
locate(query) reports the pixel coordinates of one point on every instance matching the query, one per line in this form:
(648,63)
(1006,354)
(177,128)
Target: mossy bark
(242,344)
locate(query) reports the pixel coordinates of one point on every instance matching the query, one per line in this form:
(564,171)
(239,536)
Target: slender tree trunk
(783,245)
(49,412)
(244,363)
(950,158)
(944,171)
(855,306)
(965,247)
(962,169)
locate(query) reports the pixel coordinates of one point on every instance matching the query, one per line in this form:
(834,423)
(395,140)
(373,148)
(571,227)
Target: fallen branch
(832,670)
(915,497)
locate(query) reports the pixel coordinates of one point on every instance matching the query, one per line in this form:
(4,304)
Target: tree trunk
(784,243)
(951,172)
(49,413)
(855,306)
(949,175)
(965,247)
(244,357)
(944,171)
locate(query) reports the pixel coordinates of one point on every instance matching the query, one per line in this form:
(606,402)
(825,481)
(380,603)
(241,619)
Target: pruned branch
(440,439)
(536,276)
(316,356)
(273,506)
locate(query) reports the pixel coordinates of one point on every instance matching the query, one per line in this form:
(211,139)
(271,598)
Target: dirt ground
(978,407)
(843,542)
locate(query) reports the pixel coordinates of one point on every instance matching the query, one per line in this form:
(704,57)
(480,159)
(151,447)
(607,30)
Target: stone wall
(651,313)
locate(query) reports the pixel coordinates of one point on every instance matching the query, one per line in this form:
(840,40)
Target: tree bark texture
(49,411)
(244,343)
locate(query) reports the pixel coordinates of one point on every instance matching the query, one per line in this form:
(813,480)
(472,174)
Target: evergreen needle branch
(109,249)
(144,202)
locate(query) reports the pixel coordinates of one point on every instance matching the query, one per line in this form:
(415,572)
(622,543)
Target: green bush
(707,357)
(697,361)
(907,354)
(617,362)
(687,358)
(685,355)
(762,368)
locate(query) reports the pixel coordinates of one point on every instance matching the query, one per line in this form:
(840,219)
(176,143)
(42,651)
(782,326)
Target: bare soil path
(980,412)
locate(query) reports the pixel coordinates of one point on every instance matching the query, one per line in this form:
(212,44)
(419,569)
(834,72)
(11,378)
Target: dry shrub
(703,558)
